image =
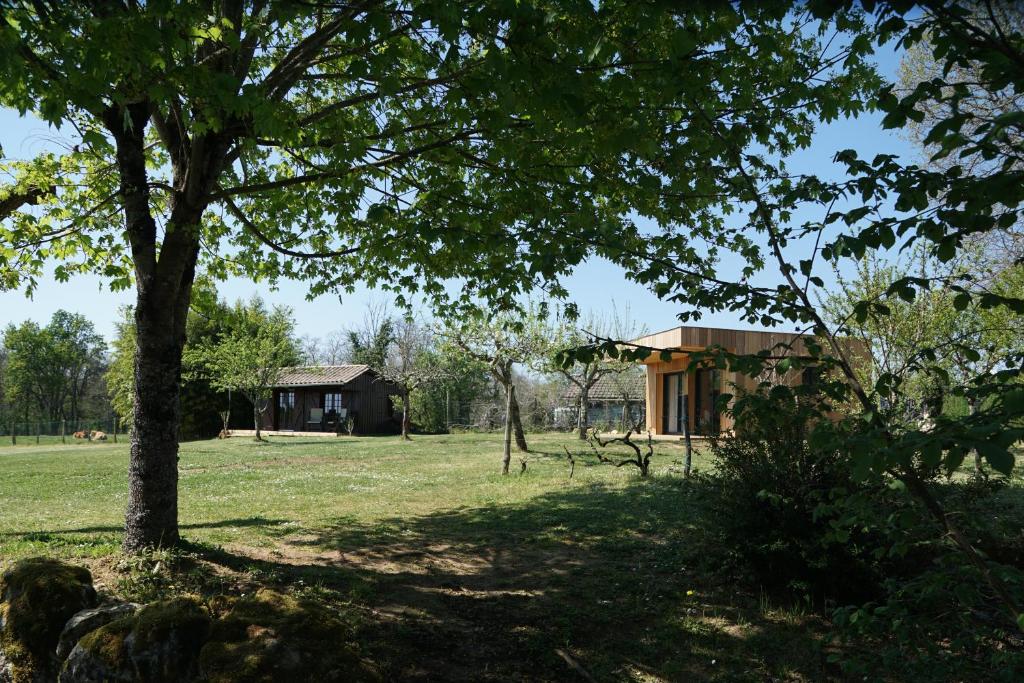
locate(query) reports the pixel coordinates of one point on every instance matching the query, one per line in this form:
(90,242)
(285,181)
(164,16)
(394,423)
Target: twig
(574,665)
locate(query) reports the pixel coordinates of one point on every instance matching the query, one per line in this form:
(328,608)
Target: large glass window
(333,408)
(674,405)
(707,383)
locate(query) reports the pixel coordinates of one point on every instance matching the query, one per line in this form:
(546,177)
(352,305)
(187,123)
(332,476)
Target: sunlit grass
(443,566)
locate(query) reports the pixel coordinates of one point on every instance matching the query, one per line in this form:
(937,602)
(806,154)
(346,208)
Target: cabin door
(674,404)
(285,410)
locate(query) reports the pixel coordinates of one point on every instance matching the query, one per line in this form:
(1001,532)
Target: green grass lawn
(445,569)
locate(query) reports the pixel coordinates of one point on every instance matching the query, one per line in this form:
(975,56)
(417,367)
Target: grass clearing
(445,569)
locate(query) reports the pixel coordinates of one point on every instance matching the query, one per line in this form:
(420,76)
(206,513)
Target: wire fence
(476,416)
(489,416)
(40,432)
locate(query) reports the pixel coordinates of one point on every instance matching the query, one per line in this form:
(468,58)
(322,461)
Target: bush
(936,619)
(906,604)
(777,501)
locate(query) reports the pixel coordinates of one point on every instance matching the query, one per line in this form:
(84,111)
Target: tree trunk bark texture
(164,273)
(510,396)
(517,420)
(152,515)
(582,420)
(256,422)
(406,418)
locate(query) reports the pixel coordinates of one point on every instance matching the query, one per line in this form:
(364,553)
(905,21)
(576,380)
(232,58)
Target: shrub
(793,519)
(936,618)
(777,501)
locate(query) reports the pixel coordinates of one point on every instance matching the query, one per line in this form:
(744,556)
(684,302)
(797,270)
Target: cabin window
(286,399)
(332,405)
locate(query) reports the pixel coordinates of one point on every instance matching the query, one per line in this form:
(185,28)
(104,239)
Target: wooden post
(63,439)
(688,462)
(14,436)
(115,428)
(39,428)
(507,458)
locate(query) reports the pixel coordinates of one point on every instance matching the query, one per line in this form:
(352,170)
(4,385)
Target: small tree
(502,341)
(641,458)
(625,384)
(583,372)
(408,363)
(250,362)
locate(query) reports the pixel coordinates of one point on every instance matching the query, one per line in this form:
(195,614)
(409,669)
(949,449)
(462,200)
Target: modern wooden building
(675,394)
(321,399)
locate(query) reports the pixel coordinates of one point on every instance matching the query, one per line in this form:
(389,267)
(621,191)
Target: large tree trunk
(152,515)
(510,392)
(164,273)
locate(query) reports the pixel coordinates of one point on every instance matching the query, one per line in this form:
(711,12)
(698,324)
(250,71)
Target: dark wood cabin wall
(367,396)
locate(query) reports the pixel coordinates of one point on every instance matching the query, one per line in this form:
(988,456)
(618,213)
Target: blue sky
(594,286)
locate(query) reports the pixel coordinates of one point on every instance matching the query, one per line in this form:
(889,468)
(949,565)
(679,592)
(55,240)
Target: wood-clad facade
(322,398)
(675,394)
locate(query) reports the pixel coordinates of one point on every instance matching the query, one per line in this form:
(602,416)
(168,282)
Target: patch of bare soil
(444,612)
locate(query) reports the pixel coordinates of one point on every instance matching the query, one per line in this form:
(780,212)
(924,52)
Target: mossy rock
(37,597)
(273,637)
(158,644)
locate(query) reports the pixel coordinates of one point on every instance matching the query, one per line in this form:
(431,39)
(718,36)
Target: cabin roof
(319,375)
(694,337)
(611,387)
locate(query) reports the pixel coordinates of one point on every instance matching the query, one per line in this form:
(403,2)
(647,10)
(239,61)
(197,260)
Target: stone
(37,597)
(6,669)
(87,621)
(270,637)
(159,643)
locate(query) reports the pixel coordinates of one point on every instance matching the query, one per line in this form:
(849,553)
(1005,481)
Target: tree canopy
(402,144)
(50,370)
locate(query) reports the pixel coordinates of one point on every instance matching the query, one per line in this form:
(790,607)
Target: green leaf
(999,457)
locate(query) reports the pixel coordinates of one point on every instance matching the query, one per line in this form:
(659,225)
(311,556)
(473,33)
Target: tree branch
(251,227)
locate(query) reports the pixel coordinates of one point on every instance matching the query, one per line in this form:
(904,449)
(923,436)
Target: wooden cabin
(675,394)
(616,401)
(322,398)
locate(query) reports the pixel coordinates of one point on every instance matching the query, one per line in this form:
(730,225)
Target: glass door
(707,389)
(674,404)
(285,410)
(333,411)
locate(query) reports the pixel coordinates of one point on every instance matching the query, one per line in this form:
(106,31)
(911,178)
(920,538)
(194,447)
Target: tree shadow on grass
(600,574)
(219,524)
